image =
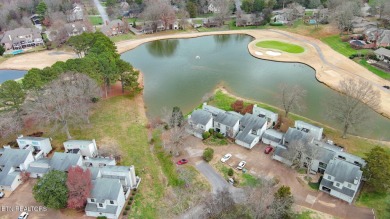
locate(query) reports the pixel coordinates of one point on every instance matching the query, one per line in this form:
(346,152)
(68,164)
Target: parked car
(23,215)
(230,181)
(182,161)
(241,165)
(226,158)
(1,194)
(268,150)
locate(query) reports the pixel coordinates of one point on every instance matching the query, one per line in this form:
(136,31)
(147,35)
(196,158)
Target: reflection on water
(198,65)
(162,48)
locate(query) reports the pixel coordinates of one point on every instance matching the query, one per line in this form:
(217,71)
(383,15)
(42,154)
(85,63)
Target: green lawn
(375,70)
(117,121)
(342,47)
(286,47)
(249,180)
(122,37)
(379,201)
(96,20)
(345,49)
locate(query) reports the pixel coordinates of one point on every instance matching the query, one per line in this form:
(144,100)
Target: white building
(199,121)
(83,147)
(12,163)
(341,179)
(251,130)
(40,147)
(271,117)
(312,130)
(107,199)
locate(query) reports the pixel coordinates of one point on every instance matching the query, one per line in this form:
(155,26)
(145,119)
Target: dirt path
(331,67)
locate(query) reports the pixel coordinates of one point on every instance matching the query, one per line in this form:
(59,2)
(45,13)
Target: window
(101,205)
(341,157)
(92,200)
(111,202)
(22,142)
(329,177)
(338,184)
(35,143)
(349,185)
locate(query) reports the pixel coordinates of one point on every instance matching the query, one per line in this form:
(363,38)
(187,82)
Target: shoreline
(226,91)
(328,72)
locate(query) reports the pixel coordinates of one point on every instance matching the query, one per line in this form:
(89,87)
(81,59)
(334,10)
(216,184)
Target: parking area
(262,165)
(22,200)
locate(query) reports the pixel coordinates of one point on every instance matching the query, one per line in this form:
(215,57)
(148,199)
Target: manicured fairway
(286,47)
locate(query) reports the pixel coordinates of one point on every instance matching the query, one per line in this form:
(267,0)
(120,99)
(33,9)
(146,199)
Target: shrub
(127,208)
(275,24)
(230,172)
(206,135)
(125,213)
(95,99)
(208,154)
(131,198)
(101,217)
(211,131)
(219,135)
(134,192)
(129,202)
(135,189)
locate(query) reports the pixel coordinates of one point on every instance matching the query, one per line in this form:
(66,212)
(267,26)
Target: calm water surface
(11,75)
(175,76)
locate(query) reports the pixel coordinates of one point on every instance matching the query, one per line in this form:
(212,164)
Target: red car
(268,149)
(182,161)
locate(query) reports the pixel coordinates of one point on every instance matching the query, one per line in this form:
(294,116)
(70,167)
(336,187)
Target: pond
(181,72)
(11,75)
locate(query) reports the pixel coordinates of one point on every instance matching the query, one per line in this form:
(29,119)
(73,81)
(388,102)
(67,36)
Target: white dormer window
(92,200)
(111,202)
(100,205)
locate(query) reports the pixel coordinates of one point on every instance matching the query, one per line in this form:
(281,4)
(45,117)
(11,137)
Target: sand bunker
(272,53)
(259,53)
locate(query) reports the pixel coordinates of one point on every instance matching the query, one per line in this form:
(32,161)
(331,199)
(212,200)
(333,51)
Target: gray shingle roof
(213,110)
(200,117)
(6,179)
(343,171)
(227,118)
(12,36)
(273,135)
(106,189)
(248,123)
(382,51)
(63,161)
(14,157)
(344,190)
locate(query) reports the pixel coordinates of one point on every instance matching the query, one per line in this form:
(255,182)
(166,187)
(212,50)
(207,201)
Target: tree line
(62,95)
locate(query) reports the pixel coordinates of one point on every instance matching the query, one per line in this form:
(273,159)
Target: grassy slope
(287,47)
(117,119)
(345,49)
(378,201)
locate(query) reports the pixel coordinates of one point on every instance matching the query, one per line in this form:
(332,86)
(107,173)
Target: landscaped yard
(122,37)
(286,47)
(342,47)
(96,20)
(345,49)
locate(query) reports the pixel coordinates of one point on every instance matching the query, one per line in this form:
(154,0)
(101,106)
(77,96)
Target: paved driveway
(262,165)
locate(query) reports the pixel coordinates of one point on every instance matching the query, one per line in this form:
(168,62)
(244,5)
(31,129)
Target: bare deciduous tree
(158,10)
(291,98)
(259,199)
(175,143)
(64,102)
(10,124)
(350,108)
(111,149)
(221,202)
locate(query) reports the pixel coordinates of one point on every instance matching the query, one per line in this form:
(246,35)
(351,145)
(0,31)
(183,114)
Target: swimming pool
(15,52)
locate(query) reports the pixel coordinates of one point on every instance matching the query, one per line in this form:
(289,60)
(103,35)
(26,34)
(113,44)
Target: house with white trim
(12,163)
(199,122)
(251,129)
(40,147)
(341,180)
(271,117)
(85,148)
